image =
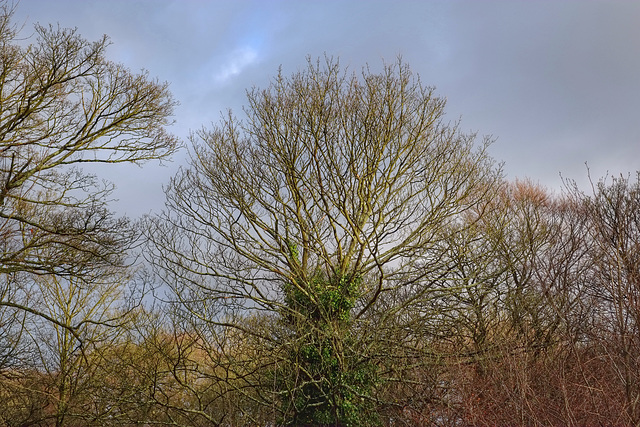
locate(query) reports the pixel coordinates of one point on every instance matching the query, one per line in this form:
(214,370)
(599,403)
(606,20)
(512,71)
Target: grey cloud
(556,82)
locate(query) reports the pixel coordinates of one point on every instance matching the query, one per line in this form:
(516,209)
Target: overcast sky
(556,83)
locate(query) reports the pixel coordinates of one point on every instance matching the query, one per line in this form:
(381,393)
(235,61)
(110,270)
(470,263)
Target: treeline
(341,255)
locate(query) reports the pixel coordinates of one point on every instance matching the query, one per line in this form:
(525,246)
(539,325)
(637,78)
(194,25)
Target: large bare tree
(316,226)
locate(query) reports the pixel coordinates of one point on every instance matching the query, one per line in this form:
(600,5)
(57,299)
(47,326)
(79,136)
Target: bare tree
(63,104)
(316,226)
(560,349)
(613,216)
(63,254)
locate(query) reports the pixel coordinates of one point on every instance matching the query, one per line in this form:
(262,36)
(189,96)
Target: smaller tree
(88,317)
(63,105)
(63,254)
(613,216)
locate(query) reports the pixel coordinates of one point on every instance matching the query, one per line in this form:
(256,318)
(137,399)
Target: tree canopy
(325,212)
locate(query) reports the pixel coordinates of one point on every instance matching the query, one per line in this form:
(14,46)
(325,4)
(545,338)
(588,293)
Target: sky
(556,83)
